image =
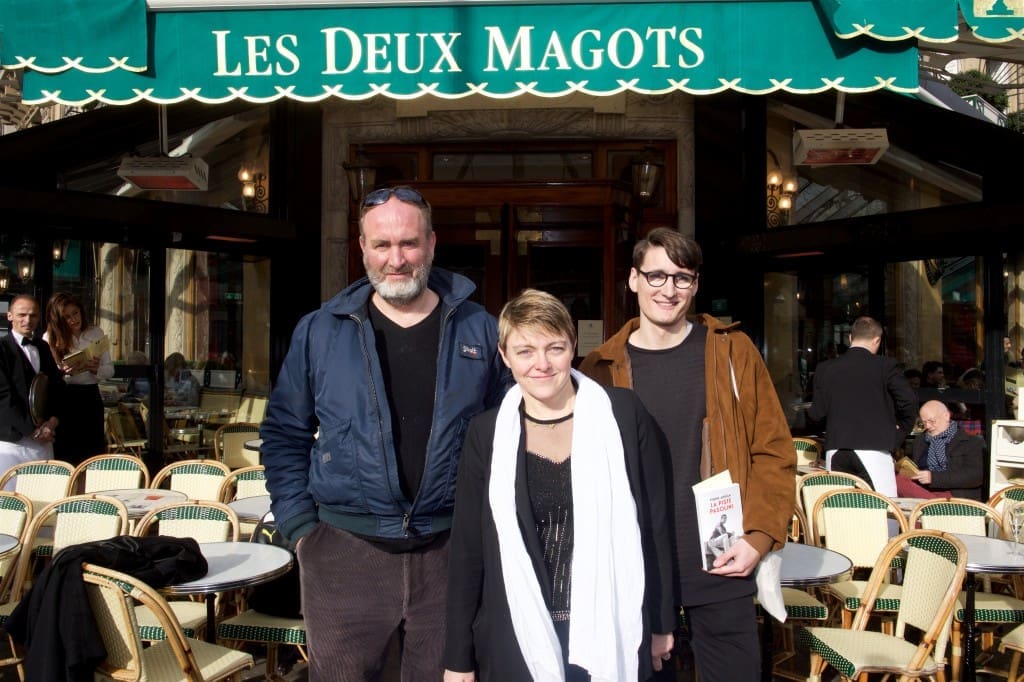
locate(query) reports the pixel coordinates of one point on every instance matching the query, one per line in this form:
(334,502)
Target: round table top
(7,543)
(251,508)
(807,566)
(908,504)
(141,501)
(992,555)
(255,444)
(236,564)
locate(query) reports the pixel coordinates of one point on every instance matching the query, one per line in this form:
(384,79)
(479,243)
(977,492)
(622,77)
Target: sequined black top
(550,486)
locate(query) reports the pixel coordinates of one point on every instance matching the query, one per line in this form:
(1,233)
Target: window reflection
(218,319)
(932,318)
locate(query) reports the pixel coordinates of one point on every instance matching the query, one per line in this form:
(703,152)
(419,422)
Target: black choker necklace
(548,422)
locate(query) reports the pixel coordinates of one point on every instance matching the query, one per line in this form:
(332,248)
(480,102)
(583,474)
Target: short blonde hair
(538,310)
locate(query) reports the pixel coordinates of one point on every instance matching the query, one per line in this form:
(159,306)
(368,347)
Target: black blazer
(480,633)
(865,401)
(965,465)
(16,376)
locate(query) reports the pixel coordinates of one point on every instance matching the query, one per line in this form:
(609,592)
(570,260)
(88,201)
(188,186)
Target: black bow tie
(26,341)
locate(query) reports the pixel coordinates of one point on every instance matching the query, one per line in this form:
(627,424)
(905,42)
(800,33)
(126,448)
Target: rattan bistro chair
(82,518)
(1013,493)
(934,567)
(202,520)
(109,472)
(114,597)
(969,517)
(199,479)
(42,482)
(856,523)
(229,445)
(16,521)
(77,519)
(240,484)
(271,631)
(810,487)
(808,450)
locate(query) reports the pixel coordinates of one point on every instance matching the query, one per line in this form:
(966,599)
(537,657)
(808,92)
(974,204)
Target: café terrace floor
(297,670)
(684,670)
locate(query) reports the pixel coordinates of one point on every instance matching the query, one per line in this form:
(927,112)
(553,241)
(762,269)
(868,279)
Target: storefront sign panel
(497,51)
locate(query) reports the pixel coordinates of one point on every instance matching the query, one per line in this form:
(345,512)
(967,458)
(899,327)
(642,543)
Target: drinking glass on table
(1015,515)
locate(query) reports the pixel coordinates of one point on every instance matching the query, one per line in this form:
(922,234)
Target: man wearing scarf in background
(949,459)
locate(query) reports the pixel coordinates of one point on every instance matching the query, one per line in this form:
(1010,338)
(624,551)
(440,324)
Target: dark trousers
(81,433)
(724,640)
(355,596)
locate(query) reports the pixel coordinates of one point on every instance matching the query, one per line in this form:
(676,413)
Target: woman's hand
(661,650)
(452,676)
(92,365)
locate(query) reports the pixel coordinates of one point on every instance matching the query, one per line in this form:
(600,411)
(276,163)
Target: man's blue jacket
(332,380)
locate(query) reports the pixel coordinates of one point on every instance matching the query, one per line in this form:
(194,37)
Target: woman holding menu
(82,352)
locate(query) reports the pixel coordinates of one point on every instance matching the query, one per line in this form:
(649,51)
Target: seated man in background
(949,459)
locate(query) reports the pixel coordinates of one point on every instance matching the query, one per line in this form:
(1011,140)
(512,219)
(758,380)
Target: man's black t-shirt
(671,385)
(408,361)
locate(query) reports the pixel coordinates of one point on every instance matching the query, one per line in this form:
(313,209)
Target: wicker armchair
(116,598)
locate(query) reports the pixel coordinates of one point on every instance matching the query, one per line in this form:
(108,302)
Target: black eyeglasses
(381,196)
(680,280)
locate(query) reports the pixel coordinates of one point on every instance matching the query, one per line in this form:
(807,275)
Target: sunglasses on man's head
(381,196)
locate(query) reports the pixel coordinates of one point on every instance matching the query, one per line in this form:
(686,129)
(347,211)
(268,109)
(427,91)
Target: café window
(216,334)
(933,314)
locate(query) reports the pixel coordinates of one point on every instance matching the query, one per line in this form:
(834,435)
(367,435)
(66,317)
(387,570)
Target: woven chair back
(857,523)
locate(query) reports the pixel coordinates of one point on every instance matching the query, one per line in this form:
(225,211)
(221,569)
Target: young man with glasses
(361,440)
(709,390)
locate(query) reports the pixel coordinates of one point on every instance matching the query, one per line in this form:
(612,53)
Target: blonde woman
(560,564)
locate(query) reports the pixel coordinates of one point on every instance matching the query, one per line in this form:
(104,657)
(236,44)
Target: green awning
(933,21)
(93,36)
(451,51)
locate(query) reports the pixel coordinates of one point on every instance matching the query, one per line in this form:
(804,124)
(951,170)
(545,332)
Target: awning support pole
(162,133)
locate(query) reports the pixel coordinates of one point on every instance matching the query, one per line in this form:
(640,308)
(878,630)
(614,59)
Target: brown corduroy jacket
(745,430)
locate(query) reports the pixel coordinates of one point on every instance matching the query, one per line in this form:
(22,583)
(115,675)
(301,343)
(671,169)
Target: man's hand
(451,676)
(661,649)
(45,432)
(923,477)
(737,561)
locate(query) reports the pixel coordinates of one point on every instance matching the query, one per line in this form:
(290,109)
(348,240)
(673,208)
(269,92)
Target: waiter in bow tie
(25,437)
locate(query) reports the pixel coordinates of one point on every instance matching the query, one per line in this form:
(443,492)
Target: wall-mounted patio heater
(839,146)
(183,173)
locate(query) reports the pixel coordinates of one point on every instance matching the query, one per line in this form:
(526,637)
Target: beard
(400,293)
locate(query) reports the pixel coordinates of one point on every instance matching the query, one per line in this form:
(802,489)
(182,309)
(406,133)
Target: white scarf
(606,599)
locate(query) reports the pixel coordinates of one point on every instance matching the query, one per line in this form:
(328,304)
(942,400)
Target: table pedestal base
(970,635)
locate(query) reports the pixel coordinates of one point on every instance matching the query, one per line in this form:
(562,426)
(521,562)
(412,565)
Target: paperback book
(719,515)
(77,360)
(906,466)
